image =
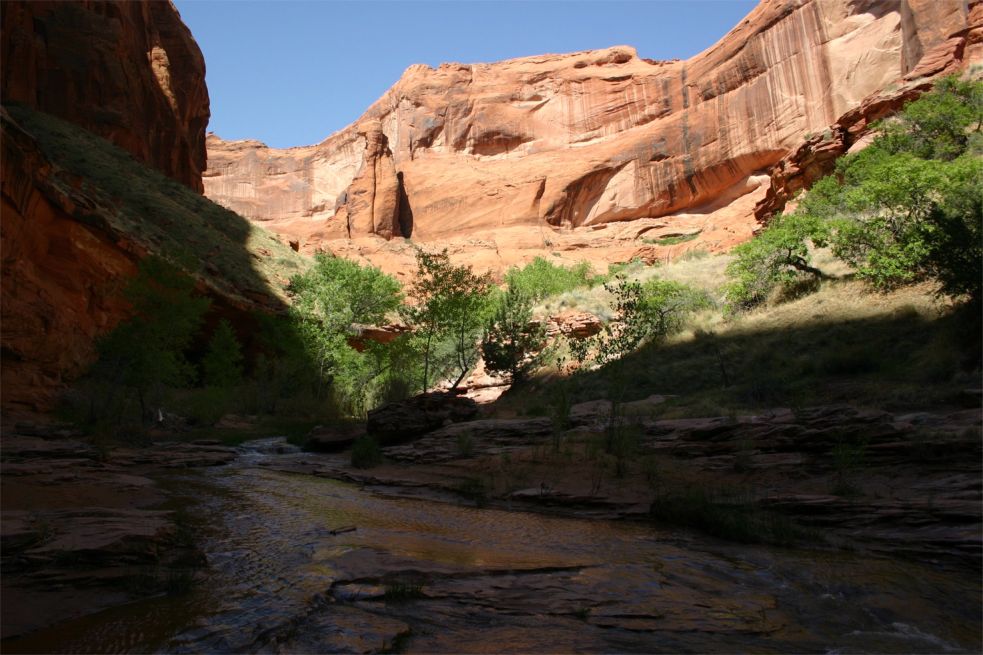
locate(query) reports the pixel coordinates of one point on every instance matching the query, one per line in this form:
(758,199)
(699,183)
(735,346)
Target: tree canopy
(907,208)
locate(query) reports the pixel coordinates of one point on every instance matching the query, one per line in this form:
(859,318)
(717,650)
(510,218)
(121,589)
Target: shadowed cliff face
(499,151)
(128,71)
(79,212)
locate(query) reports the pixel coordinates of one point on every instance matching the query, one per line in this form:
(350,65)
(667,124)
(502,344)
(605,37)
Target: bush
(366,453)
(512,341)
(540,278)
(776,257)
(649,311)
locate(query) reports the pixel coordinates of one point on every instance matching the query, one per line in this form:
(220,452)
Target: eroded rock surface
(82,527)
(501,162)
(899,483)
(406,419)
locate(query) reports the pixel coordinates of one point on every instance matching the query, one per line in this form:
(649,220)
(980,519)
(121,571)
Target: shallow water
(491,581)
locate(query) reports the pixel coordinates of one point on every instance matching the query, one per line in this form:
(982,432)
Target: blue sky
(290,73)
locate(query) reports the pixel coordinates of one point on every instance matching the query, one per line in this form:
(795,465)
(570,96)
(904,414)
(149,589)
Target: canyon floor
(501,533)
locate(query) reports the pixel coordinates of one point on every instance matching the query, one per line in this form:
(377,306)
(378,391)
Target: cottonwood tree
(146,352)
(329,300)
(512,340)
(452,303)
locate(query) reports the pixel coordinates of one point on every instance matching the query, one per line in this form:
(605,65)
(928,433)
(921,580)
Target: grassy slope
(161,215)
(842,344)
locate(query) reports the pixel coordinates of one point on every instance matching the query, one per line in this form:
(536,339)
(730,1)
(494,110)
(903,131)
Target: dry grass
(706,273)
(842,343)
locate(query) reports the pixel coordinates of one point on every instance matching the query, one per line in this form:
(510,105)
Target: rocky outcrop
(128,71)
(416,416)
(902,484)
(559,153)
(78,215)
(573,324)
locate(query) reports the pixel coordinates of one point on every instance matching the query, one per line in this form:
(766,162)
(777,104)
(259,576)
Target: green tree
(330,300)
(646,312)
(778,256)
(452,303)
(222,363)
(905,209)
(512,341)
(147,351)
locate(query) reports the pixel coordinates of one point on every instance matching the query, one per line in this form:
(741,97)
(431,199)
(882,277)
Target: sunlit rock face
(128,71)
(506,160)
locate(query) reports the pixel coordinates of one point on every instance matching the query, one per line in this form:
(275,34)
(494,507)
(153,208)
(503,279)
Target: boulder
(332,438)
(416,416)
(578,325)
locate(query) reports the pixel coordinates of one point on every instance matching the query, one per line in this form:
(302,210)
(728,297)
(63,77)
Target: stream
(423,576)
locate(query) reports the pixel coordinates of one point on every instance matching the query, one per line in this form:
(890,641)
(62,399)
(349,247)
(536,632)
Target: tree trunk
(799,264)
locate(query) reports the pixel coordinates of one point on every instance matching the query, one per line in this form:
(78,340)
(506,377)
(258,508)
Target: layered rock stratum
(593,155)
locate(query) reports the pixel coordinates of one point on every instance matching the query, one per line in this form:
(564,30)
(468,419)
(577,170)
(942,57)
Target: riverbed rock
(414,417)
(472,439)
(332,438)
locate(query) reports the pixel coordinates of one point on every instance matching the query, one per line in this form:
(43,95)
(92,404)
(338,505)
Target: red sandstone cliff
(128,71)
(586,152)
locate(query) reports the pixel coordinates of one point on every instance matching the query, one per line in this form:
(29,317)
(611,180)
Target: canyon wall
(131,73)
(584,154)
(128,71)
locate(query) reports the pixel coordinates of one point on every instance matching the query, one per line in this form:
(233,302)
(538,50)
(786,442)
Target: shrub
(366,453)
(776,257)
(540,278)
(512,341)
(649,311)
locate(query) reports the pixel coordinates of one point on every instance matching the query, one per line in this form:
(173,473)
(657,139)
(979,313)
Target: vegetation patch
(904,210)
(401,591)
(671,240)
(541,278)
(727,516)
(167,218)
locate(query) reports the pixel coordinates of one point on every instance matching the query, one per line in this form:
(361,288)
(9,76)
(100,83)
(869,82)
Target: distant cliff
(592,155)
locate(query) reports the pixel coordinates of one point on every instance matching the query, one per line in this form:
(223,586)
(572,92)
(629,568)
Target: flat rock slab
(481,437)
(338,628)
